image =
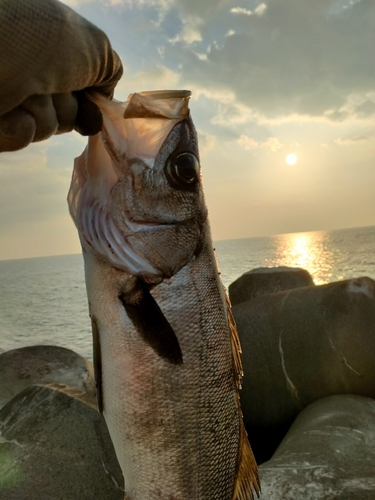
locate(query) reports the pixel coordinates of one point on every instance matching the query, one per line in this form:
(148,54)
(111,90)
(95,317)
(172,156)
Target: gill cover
(132,130)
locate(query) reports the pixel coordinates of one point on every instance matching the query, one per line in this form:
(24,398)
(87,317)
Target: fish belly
(175,427)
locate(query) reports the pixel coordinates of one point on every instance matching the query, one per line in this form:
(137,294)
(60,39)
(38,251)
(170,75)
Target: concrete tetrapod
(54,445)
(43,364)
(264,280)
(302,345)
(328,453)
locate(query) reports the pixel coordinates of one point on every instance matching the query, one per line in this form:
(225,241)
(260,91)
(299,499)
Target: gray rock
(42,364)
(302,345)
(54,445)
(327,454)
(266,280)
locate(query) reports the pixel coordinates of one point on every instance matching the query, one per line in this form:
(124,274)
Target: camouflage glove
(48,56)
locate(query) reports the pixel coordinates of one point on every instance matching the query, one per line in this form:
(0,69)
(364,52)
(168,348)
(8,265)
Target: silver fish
(166,350)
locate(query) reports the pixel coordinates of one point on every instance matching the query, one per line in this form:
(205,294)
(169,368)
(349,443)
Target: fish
(166,350)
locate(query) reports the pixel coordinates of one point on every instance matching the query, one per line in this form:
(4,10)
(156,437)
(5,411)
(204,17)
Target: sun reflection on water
(306,250)
(327,255)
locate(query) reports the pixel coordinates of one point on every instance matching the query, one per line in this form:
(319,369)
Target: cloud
(259,11)
(189,33)
(291,58)
(29,189)
(350,141)
(272,143)
(247,143)
(340,5)
(232,113)
(163,4)
(207,142)
(157,77)
(201,57)
(294,59)
(366,109)
(209,10)
(75,3)
(241,10)
(356,106)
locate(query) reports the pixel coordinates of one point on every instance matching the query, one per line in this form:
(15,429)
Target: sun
(291,159)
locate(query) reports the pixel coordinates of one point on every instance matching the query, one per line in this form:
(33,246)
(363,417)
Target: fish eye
(183,171)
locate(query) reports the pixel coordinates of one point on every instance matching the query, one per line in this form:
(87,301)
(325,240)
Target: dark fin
(151,324)
(97,363)
(247,477)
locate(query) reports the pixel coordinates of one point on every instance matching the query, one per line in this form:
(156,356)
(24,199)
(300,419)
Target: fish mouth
(153,223)
(138,225)
(141,225)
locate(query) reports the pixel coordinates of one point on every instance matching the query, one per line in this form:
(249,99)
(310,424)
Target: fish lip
(136,226)
(149,225)
(198,219)
(153,223)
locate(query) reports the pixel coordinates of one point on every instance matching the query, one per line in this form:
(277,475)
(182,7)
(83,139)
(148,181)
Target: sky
(268,79)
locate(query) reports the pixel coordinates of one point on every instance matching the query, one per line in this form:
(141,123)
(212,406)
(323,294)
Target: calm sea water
(43,300)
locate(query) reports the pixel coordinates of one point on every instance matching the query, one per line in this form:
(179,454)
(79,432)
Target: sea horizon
(214,241)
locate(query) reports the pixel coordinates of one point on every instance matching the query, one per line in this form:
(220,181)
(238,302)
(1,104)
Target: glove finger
(107,86)
(17,130)
(66,108)
(42,109)
(89,119)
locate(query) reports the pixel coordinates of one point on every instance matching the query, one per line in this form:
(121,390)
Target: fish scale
(165,346)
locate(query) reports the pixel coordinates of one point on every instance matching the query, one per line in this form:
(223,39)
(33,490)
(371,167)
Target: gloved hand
(48,55)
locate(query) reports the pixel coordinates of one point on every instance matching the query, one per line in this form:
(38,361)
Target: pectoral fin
(151,324)
(97,363)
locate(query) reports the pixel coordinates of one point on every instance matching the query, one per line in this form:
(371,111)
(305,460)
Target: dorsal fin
(247,478)
(235,343)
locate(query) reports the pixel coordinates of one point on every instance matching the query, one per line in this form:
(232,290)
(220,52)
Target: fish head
(136,194)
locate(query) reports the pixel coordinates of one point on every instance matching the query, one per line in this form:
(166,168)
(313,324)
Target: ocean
(43,300)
